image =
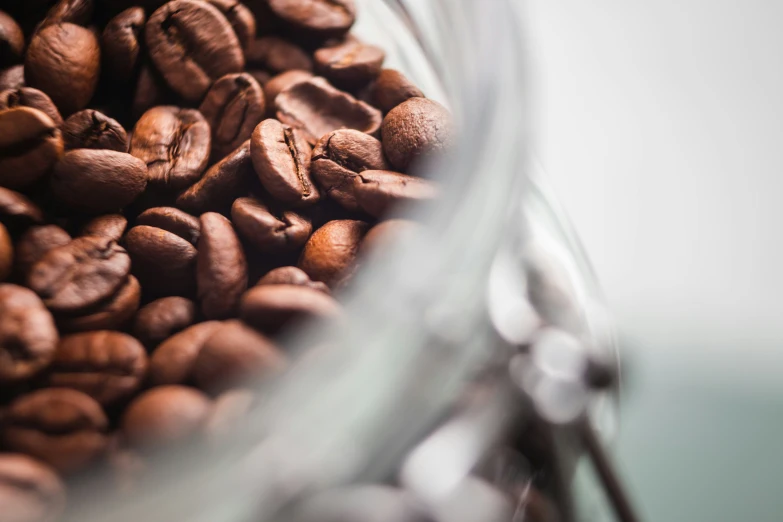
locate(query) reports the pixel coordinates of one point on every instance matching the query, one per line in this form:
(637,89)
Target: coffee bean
(35,243)
(11,41)
(278,55)
(387,233)
(151,91)
(64,61)
(172,362)
(235,352)
(261,77)
(416,129)
(241,19)
(192,44)
(164,416)
(90,129)
(378,191)
(98,180)
(30,491)
(30,144)
(270,308)
(81,274)
(322,18)
(281,159)
(317,108)
(111,226)
(330,254)
(28,337)
(16,211)
(113,314)
(269,231)
(6,253)
(12,78)
(233,107)
(351,63)
(290,275)
(223,182)
(229,410)
(174,143)
(77,12)
(163,318)
(121,44)
(107,366)
(63,428)
(33,98)
(391,89)
(339,157)
(172,220)
(281,82)
(221,267)
(164,262)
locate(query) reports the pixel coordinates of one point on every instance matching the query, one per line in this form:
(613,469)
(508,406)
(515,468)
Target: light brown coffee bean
(163,318)
(330,254)
(267,230)
(111,226)
(6,253)
(281,82)
(90,129)
(241,19)
(351,63)
(36,242)
(172,220)
(173,361)
(221,267)
(290,275)
(391,89)
(271,308)
(30,144)
(387,233)
(33,98)
(164,262)
(378,191)
(319,18)
(414,130)
(113,314)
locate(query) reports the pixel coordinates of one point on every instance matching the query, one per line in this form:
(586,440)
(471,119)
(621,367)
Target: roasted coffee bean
(281,159)
(330,254)
(121,44)
(114,314)
(278,55)
(12,78)
(416,129)
(270,308)
(174,143)
(172,220)
(378,191)
(391,89)
(163,318)
(387,233)
(241,19)
(35,243)
(151,91)
(281,82)
(33,98)
(192,44)
(221,184)
(11,41)
(317,108)
(290,275)
(164,262)
(164,416)
(28,337)
(98,180)
(108,366)
(108,225)
(30,491)
(90,129)
(64,61)
(172,362)
(77,12)
(81,274)
(235,352)
(269,231)
(339,157)
(221,271)
(63,428)
(229,410)
(322,18)
(233,107)
(6,253)
(351,63)
(30,144)
(16,211)
(261,77)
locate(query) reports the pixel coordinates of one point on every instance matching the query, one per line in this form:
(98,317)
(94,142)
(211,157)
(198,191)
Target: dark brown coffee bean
(64,61)
(151,91)
(269,231)
(90,129)
(324,18)
(77,12)
(387,233)
(270,308)
(164,262)
(278,55)
(172,220)
(378,191)
(63,428)
(109,225)
(290,275)
(229,410)
(351,63)
(233,107)
(28,337)
(30,491)
(172,362)
(114,314)
(35,243)
(391,89)
(221,268)
(107,366)
(339,157)
(281,82)
(81,274)
(192,44)
(317,108)
(30,144)
(330,254)
(416,129)
(16,211)
(163,318)
(241,19)
(6,253)
(174,143)
(98,180)
(165,416)
(221,184)
(11,41)
(33,98)
(12,78)
(281,159)
(121,44)
(235,352)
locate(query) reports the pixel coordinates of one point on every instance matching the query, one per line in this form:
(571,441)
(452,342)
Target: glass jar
(445,355)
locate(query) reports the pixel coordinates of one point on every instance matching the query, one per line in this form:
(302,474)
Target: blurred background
(661,129)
